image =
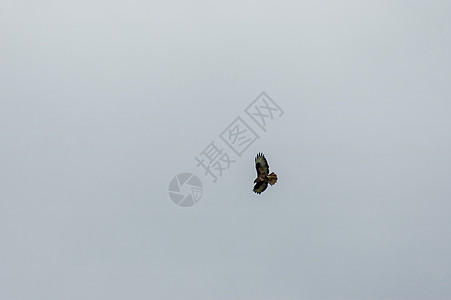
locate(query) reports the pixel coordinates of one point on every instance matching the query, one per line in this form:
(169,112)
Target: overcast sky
(102,103)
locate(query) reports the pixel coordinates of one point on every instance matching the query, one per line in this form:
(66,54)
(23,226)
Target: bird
(262,180)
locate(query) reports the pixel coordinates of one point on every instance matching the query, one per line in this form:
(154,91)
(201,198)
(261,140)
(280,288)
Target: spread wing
(260,186)
(261,165)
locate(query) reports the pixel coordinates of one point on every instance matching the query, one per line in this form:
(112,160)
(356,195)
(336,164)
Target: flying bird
(261,183)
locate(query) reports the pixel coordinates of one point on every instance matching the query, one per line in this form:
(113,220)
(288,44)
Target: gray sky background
(102,103)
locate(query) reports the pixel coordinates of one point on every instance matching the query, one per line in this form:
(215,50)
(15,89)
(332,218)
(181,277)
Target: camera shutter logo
(185,189)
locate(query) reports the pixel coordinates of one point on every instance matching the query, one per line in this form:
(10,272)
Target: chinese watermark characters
(215,159)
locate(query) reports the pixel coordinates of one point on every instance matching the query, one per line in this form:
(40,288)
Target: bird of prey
(261,183)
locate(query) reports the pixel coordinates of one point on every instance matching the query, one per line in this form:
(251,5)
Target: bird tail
(272,178)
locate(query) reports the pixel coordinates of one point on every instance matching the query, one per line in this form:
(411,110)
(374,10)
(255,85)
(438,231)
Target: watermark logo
(219,155)
(185,189)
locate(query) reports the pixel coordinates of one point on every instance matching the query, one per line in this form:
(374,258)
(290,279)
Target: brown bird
(262,180)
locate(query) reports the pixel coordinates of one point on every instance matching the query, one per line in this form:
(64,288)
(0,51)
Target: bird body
(263,178)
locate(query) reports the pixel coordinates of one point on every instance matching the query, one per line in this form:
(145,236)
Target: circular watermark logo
(185,189)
